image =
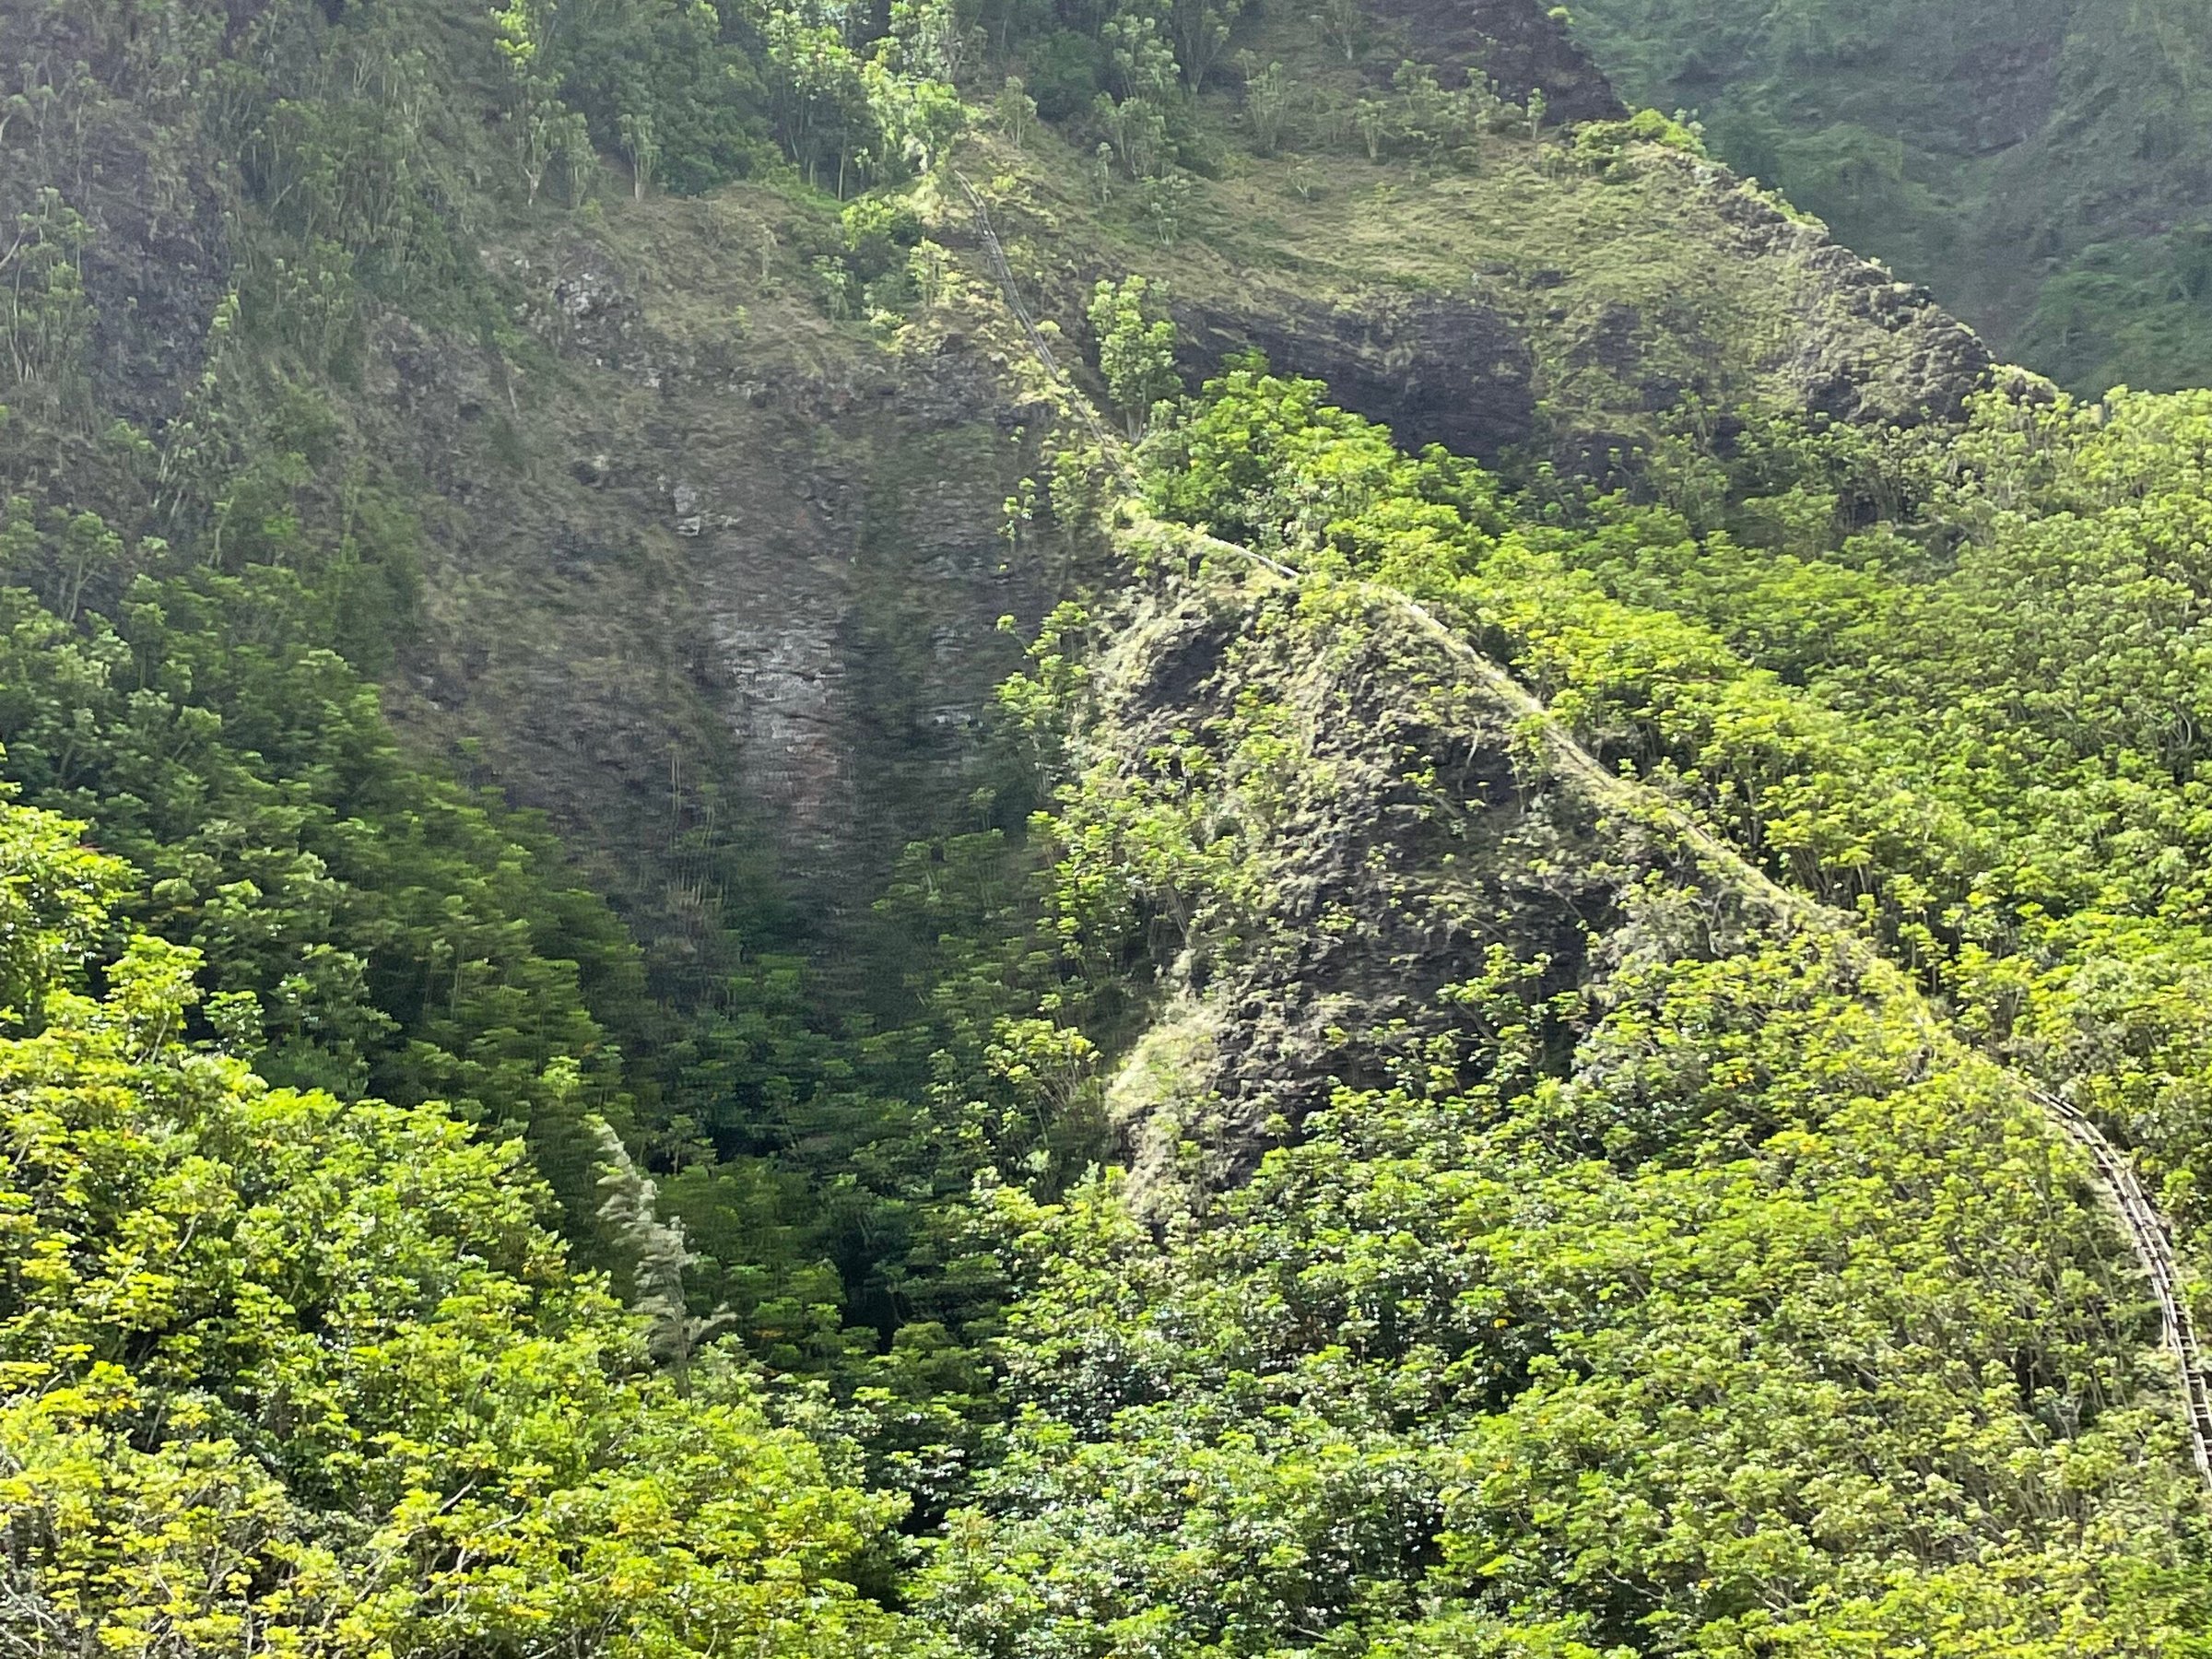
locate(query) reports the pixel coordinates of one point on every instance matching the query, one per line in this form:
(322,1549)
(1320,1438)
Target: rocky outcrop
(1518,45)
(1868,348)
(749,576)
(1576,362)
(1402,841)
(1434,369)
(134,211)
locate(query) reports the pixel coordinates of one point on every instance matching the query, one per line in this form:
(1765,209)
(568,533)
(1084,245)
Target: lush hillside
(1536,1245)
(2046,165)
(779,877)
(289,1372)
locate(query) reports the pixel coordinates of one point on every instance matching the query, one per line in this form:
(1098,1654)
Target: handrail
(2154,1248)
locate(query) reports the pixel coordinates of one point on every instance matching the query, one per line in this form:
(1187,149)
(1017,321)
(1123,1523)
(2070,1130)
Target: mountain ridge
(1165,830)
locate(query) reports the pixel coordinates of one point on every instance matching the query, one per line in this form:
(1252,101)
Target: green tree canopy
(284,1372)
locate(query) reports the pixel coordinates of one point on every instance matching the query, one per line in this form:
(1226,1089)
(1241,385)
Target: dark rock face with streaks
(1435,369)
(661,546)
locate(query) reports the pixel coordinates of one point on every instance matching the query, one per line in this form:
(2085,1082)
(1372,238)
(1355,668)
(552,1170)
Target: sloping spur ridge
(2147,1231)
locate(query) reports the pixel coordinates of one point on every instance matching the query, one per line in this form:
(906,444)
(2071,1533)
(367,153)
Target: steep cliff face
(687,536)
(1511,307)
(733,549)
(1573,354)
(98,125)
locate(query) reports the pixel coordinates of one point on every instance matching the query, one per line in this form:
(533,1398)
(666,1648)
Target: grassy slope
(1618,294)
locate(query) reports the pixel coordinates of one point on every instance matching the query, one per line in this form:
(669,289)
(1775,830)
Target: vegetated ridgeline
(1952,140)
(2154,1246)
(2148,1232)
(418,412)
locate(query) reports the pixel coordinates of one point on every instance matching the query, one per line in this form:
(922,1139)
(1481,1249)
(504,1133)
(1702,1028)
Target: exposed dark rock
(1515,43)
(777,576)
(1871,348)
(1435,369)
(155,270)
(1408,843)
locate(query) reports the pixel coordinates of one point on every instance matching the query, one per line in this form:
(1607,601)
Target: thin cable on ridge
(2149,1233)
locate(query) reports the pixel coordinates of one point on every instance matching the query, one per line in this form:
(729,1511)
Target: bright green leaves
(1135,349)
(1708,1302)
(1977,723)
(394,931)
(1267,462)
(1837,1335)
(284,1372)
(55,894)
(45,317)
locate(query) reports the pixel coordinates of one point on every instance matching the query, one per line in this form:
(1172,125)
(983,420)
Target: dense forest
(1079,830)
(2046,165)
